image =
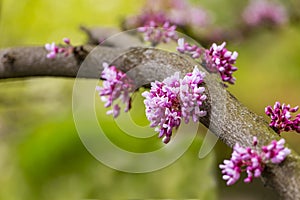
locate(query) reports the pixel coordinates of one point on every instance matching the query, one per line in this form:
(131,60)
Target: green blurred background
(41,155)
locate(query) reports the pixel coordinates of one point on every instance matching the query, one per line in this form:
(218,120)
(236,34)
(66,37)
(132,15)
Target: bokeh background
(41,155)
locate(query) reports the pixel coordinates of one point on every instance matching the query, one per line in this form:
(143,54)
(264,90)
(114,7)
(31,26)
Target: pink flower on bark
(231,171)
(251,161)
(54,50)
(282,119)
(193,50)
(156,34)
(174,99)
(163,106)
(242,159)
(276,152)
(260,12)
(216,59)
(116,86)
(219,58)
(192,95)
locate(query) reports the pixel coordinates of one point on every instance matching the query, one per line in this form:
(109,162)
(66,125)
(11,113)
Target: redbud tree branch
(236,125)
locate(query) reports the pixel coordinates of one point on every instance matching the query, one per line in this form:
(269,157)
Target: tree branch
(32,61)
(227,117)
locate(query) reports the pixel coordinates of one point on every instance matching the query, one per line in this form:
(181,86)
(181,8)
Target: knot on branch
(8,60)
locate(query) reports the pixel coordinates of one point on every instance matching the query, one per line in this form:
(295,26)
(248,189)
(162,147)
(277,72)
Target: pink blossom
(193,50)
(156,34)
(192,96)
(163,106)
(174,99)
(218,57)
(252,161)
(54,50)
(116,85)
(242,159)
(282,119)
(276,152)
(231,172)
(67,40)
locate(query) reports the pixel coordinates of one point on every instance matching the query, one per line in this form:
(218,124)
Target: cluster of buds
(193,50)
(281,118)
(54,50)
(216,59)
(174,99)
(155,33)
(116,85)
(252,161)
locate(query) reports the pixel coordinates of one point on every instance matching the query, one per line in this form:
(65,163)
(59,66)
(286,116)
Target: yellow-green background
(41,155)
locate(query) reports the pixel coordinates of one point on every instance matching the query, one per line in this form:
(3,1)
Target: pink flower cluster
(116,85)
(156,34)
(217,58)
(275,151)
(54,50)
(281,118)
(174,99)
(252,161)
(260,12)
(193,50)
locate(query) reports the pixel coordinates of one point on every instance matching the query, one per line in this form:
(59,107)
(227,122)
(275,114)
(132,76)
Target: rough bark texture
(228,118)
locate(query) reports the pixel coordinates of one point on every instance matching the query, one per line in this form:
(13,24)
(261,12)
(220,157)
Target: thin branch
(228,118)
